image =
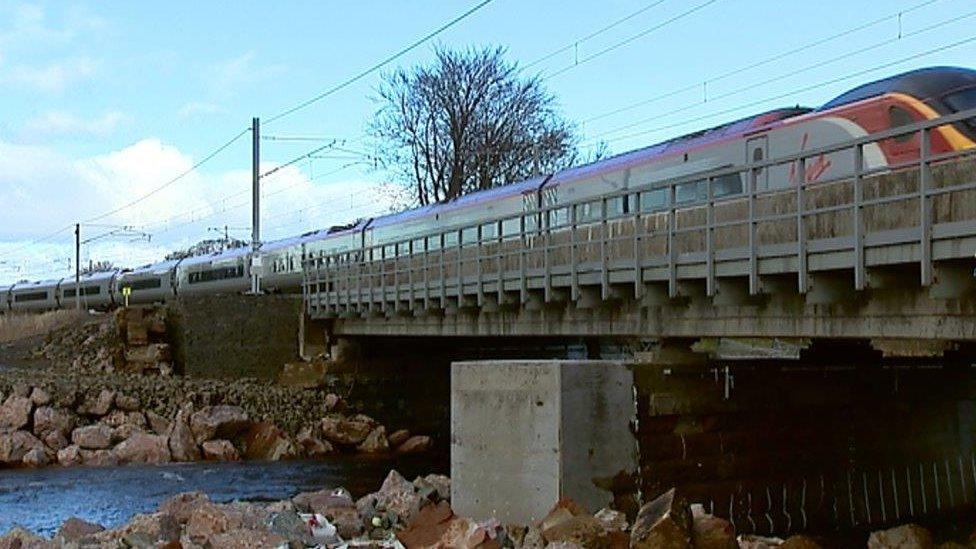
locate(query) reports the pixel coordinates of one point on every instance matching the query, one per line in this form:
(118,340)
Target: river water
(40,500)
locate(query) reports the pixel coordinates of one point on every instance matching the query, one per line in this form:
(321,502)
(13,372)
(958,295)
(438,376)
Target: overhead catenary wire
(846,55)
(363,74)
(803,89)
(764,62)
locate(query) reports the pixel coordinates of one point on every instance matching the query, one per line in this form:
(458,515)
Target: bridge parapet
(878,252)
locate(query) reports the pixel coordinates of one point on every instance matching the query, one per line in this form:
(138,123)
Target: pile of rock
(111,428)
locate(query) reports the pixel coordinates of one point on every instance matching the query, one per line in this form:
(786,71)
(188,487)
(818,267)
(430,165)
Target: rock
(98,458)
(320,501)
(93,437)
(182,443)
(142,531)
(144,448)
(21,390)
(434,487)
(70,455)
(210,519)
(613,521)
(376,442)
(218,450)
(158,423)
(75,529)
(415,445)
(40,397)
(711,532)
(346,519)
(50,420)
(54,440)
(427,529)
(127,403)
(345,432)
(149,354)
(396,496)
(751,541)
(19,538)
(302,375)
(265,441)
(288,525)
(800,542)
(125,431)
(398,437)
(218,422)
(902,537)
(333,403)
(118,418)
(98,406)
(246,539)
(663,523)
(182,506)
(15,413)
(17,444)
(312,446)
(36,457)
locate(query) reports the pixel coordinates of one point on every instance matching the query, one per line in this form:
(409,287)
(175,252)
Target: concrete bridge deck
(880,253)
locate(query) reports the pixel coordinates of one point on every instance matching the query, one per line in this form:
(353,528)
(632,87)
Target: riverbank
(65,402)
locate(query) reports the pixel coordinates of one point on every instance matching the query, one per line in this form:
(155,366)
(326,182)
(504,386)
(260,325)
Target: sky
(103,102)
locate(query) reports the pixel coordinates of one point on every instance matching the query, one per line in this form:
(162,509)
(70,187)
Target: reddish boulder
(664,523)
(218,422)
(398,437)
(40,397)
(98,458)
(49,420)
(128,403)
(144,448)
(901,537)
(93,437)
(74,529)
(158,423)
(182,443)
(346,432)
(182,506)
(36,457)
(70,455)
(15,413)
(219,450)
(375,442)
(17,444)
(711,532)
(265,441)
(313,446)
(415,445)
(99,405)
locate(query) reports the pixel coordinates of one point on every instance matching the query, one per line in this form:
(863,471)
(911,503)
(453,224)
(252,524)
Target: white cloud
(50,190)
(60,123)
(52,78)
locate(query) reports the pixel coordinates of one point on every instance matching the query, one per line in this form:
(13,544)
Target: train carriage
(34,296)
(152,283)
(218,273)
(97,290)
(5,297)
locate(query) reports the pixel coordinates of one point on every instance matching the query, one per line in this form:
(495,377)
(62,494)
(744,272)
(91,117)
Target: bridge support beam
(952,280)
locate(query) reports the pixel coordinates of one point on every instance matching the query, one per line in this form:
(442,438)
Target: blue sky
(101,102)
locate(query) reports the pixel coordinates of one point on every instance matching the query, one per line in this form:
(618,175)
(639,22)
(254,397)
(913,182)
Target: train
(574,195)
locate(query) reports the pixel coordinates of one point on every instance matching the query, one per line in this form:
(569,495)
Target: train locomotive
(576,193)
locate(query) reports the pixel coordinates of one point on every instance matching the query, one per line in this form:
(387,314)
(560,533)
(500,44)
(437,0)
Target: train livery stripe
(953,136)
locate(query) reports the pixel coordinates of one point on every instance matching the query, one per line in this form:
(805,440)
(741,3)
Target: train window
(900,117)
(85,290)
(146,284)
(558,217)
(221,273)
(653,200)
(489,231)
(469,235)
(532,223)
(434,242)
(33,296)
(418,246)
(450,239)
(726,185)
(511,227)
(617,206)
(690,192)
(963,101)
(589,212)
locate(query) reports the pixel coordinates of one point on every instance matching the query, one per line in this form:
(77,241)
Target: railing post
(802,275)
(710,238)
(480,256)
(501,262)
(638,232)
(925,208)
(604,258)
(547,281)
(753,254)
(859,270)
(573,267)
(672,256)
(426,272)
(459,275)
(523,285)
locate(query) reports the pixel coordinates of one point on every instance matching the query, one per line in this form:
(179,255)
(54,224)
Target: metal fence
(777,221)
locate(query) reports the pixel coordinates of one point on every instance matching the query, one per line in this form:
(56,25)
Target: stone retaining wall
(234,336)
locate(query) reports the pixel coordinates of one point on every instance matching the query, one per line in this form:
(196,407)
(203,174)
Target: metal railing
(792,227)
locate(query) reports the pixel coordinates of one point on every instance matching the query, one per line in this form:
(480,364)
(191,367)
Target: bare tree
(97,267)
(466,122)
(205,247)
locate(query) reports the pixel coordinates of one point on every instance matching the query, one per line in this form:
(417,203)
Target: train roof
(925,84)
(91,277)
(314,236)
(232,253)
(677,145)
(35,284)
(153,268)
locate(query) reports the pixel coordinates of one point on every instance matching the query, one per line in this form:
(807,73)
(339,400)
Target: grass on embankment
(15,327)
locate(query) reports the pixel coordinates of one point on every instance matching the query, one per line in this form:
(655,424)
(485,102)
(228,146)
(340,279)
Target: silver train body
(550,203)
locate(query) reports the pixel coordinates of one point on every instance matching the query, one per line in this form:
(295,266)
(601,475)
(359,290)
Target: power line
(631,39)
(594,34)
(203,161)
(761,63)
(803,89)
(819,64)
(379,65)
